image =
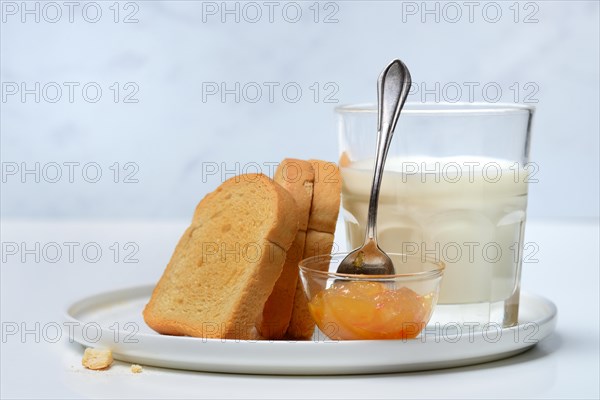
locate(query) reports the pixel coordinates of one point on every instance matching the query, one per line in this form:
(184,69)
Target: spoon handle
(392,89)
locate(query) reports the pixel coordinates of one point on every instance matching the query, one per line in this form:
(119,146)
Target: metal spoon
(392,88)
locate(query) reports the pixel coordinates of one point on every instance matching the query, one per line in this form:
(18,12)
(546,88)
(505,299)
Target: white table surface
(566,365)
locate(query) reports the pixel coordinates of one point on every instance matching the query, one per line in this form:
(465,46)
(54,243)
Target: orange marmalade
(356,310)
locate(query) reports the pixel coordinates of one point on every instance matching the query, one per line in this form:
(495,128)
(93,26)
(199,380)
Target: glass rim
(436,271)
(443,108)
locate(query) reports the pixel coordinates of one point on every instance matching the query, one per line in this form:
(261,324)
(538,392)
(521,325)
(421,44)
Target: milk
(466,211)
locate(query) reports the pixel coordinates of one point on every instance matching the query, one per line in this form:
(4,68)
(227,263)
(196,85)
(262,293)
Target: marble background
(168,56)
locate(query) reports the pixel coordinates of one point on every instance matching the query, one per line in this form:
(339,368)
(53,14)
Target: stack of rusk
(234,272)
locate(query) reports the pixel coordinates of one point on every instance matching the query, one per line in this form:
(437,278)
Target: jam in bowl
(370,307)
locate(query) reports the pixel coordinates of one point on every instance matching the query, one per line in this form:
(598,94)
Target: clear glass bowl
(371,307)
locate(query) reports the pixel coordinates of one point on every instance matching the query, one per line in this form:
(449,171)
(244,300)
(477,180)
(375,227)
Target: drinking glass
(454,189)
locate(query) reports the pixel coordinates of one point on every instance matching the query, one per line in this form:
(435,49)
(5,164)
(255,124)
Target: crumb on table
(97,358)
(136,369)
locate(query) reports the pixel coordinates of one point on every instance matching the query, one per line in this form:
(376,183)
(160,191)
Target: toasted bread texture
(227,262)
(297,177)
(324,211)
(326,197)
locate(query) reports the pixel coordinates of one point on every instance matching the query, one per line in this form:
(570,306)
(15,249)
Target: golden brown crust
(319,239)
(326,196)
(277,311)
(226,263)
(284,208)
(318,243)
(297,177)
(302,325)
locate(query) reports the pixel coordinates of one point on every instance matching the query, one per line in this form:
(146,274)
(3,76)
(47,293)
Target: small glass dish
(371,307)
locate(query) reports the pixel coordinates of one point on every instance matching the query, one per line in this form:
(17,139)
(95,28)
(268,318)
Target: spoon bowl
(368,259)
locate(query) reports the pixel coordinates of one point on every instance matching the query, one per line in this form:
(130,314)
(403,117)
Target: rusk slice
(319,239)
(297,177)
(227,262)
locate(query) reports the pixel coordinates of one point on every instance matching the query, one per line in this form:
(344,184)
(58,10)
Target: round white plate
(114,320)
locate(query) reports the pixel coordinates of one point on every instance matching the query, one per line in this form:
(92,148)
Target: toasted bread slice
(319,239)
(227,262)
(297,177)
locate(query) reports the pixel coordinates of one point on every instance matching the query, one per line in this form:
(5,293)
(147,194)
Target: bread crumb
(96,358)
(136,369)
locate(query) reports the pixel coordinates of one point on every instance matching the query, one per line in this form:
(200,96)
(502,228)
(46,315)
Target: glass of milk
(455,190)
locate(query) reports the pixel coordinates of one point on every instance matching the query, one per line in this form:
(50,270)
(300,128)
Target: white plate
(114,320)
